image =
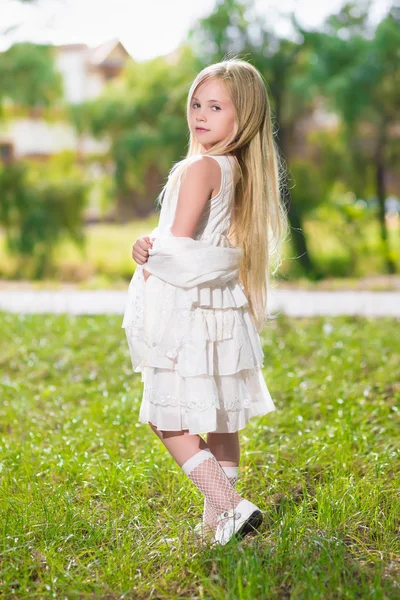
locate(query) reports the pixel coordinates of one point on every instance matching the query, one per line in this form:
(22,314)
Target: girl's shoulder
(221,158)
(226,162)
(179,167)
(226,166)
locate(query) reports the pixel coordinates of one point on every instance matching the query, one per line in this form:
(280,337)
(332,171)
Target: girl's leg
(225,447)
(180,444)
(194,456)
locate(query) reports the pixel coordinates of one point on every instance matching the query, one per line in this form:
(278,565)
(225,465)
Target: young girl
(195,312)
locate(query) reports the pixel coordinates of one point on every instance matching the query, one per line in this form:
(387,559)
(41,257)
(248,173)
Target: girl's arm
(198,181)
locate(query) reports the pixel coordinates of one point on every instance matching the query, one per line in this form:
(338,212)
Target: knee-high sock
(209,513)
(209,477)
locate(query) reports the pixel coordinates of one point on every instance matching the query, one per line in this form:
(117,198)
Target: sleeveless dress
(211,380)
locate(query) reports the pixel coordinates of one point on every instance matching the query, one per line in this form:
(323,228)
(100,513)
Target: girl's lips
(201,129)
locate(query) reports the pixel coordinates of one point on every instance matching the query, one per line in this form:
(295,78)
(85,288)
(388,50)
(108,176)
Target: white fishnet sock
(209,513)
(207,474)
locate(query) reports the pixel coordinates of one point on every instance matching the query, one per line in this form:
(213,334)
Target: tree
(234,29)
(144,116)
(359,73)
(28,77)
(37,210)
(36,213)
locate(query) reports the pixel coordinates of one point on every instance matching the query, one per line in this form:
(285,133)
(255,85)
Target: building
(85,72)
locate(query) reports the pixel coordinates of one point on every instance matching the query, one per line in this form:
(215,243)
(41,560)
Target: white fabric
(231,472)
(189,330)
(185,262)
(196,460)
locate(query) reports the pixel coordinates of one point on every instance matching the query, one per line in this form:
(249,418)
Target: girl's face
(212,114)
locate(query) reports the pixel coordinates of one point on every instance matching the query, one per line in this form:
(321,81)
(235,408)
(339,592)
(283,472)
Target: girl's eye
(214,106)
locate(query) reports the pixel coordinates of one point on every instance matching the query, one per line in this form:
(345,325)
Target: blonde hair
(259,220)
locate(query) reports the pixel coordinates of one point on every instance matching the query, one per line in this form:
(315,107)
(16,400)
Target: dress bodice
(216,219)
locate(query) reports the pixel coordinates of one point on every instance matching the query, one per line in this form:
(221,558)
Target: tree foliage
(144,119)
(37,212)
(28,76)
(358,72)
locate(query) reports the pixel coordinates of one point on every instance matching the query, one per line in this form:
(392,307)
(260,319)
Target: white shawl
(185,262)
(181,262)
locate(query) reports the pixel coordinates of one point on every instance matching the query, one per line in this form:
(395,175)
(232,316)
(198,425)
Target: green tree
(38,209)
(234,29)
(359,73)
(28,76)
(144,117)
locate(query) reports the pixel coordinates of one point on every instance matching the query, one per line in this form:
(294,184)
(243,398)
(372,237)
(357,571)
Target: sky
(147,28)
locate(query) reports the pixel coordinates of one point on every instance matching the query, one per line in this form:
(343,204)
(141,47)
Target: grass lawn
(87,494)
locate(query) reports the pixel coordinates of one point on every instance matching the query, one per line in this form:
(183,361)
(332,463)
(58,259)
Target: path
(295,303)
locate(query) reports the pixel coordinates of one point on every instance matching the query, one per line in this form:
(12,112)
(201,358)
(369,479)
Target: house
(85,72)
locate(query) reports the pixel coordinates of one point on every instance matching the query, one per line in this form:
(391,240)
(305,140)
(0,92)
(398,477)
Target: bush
(36,212)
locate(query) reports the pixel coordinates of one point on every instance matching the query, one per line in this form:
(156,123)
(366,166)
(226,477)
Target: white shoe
(237,522)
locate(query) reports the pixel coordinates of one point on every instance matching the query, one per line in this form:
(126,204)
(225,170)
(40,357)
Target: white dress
(210,378)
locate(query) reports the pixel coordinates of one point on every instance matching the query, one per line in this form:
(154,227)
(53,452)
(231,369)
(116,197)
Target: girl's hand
(140,249)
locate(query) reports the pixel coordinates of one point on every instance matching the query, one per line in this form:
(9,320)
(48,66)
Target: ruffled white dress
(201,364)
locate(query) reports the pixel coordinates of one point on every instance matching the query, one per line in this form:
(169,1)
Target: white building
(85,72)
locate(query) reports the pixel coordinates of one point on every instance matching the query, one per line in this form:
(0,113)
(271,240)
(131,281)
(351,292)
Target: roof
(98,54)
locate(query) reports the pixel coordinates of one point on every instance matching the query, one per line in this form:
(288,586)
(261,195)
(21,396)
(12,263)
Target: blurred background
(92,117)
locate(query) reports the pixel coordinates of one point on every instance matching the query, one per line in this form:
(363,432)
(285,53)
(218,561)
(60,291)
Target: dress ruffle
(203,404)
(199,354)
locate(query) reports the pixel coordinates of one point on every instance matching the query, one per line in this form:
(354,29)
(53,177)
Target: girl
(195,312)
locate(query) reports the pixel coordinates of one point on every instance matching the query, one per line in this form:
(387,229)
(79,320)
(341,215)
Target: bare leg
(225,447)
(180,444)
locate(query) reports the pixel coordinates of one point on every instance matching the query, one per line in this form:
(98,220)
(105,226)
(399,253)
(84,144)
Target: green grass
(87,494)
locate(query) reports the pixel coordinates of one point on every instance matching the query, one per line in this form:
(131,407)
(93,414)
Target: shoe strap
(227,514)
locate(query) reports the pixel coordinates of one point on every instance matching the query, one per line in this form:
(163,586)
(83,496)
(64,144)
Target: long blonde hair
(259,219)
